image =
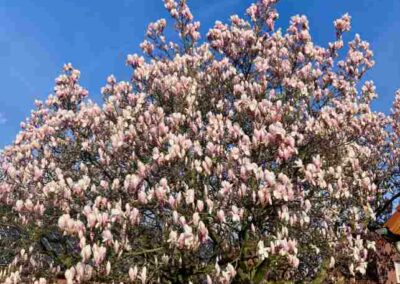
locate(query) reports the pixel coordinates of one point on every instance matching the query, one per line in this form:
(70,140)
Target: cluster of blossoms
(251,156)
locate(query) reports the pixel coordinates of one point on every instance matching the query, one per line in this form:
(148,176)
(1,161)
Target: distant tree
(248,157)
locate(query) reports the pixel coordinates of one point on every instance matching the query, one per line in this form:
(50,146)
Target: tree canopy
(246,155)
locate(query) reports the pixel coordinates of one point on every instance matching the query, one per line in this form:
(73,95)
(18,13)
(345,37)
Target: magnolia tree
(245,156)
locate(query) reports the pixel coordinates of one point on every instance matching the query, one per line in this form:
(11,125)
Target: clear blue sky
(38,37)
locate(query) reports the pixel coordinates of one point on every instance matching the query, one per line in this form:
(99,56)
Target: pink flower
(200,205)
(203,232)
(107,236)
(63,221)
(142,197)
(133,272)
(99,254)
(19,205)
(221,216)
(86,252)
(134,216)
(143,274)
(189,196)
(147,47)
(69,275)
(343,24)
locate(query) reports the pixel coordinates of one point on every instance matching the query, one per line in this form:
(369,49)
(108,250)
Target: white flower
(262,251)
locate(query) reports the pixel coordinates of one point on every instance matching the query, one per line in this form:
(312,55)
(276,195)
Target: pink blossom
(133,273)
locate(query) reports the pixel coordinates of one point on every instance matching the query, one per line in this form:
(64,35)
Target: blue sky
(38,37)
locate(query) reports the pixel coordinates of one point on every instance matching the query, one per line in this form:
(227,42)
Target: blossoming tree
(245,156)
